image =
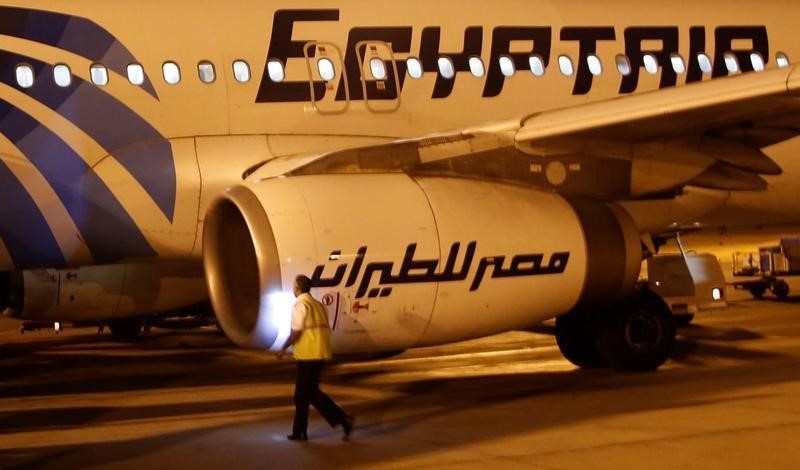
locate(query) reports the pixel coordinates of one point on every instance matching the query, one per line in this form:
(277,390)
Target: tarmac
(729,398)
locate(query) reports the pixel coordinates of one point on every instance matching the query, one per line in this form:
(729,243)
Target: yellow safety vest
(314,343)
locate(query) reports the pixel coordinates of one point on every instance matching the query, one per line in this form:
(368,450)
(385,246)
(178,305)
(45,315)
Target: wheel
(757,291)
(577,339)
(684,320)
(781,290)
(125,329)
(638,334)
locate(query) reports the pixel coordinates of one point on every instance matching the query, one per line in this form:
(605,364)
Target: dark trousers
(307,392)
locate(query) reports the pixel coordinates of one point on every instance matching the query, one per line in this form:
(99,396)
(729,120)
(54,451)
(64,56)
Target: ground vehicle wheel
(758,292)
(638,334)
(780,289)
(577,339)
(684,320)
(126,328)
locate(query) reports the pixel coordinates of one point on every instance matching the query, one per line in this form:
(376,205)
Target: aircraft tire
(577,339)
(638,335)
(126,329)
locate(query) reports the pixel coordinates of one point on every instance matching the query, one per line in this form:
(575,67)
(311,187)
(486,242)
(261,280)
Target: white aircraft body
(442,170)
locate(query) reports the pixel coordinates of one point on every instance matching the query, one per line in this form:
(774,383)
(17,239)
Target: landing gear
(126,329)
(576,338)
(637,334)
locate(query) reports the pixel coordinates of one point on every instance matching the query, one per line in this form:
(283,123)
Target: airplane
(443,171)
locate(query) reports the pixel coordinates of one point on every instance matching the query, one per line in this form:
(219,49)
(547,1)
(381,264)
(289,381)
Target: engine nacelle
(404,261)
(99,293)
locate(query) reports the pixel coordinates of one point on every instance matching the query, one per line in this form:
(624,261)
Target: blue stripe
(80,36)
(109,232)
(139,147)
(23,228)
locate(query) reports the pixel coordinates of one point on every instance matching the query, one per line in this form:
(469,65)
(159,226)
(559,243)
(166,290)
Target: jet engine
(100,293)
(402,261)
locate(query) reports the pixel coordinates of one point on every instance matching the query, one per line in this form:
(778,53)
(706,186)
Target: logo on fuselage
(505,43)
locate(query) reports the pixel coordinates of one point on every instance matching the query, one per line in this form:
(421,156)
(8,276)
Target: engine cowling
(99,293)
(406,261)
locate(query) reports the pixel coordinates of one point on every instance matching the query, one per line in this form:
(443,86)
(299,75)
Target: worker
(310,340)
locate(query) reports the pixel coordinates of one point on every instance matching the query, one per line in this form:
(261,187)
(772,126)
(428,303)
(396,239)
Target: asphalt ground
(729,398)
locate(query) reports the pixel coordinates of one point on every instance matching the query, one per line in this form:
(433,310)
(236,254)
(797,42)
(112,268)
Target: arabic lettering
(415,271)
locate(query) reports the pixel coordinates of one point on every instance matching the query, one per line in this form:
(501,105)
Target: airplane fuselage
(134,117)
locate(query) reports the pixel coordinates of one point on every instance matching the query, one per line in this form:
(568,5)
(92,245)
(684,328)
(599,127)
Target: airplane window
(678,65)
(731,62)
(62,75)
(623,65)
(446,68)
(99,75)
(565,64)
(275,70)
(136,74)
(595,66)
(25,76)
(414,67)
(241,71)
(757,62)
(476,67)
(206,72)
(537,65)
(650,64)
(172,73)
(326,69)
(782,59)
(705,63)
(378,69)
(507,66)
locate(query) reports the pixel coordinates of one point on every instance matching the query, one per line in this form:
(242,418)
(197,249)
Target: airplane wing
(708,134)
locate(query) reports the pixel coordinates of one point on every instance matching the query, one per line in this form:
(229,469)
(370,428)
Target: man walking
(311,346)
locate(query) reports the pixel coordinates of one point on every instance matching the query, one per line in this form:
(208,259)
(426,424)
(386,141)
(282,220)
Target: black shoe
(347,427)
(297,437)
